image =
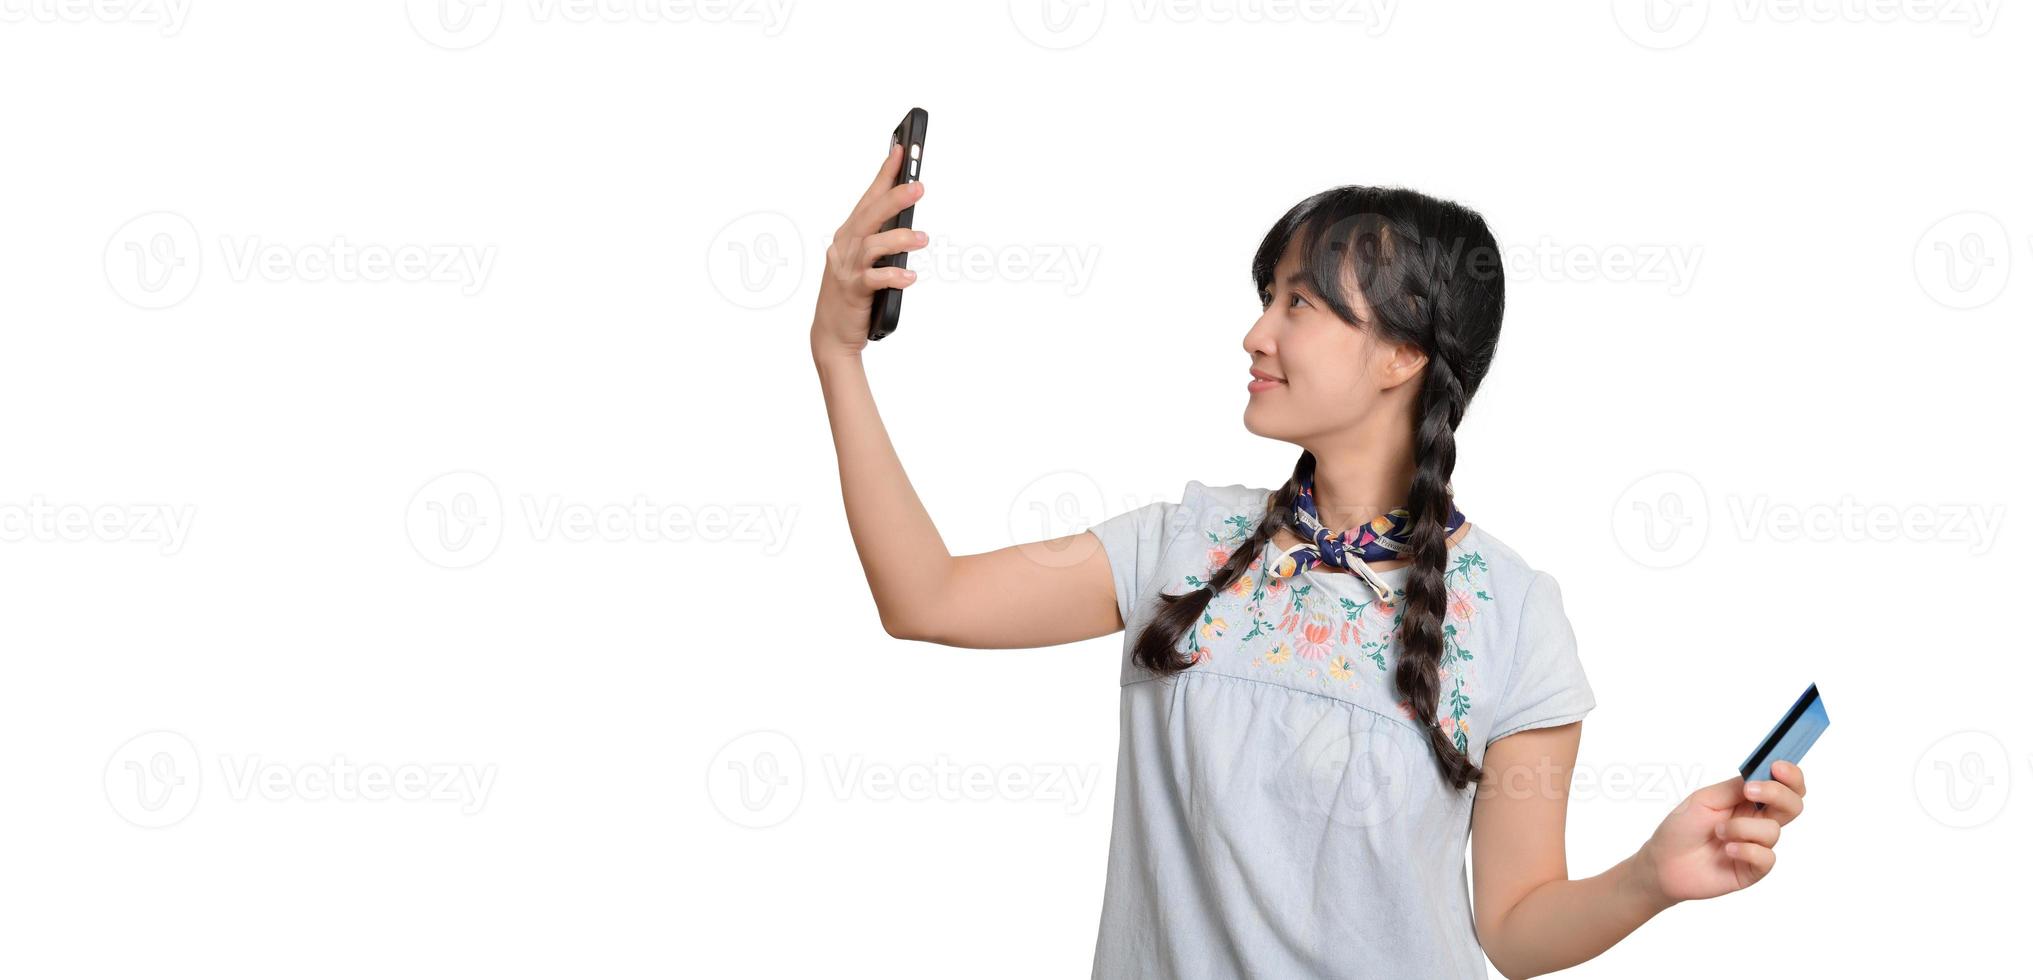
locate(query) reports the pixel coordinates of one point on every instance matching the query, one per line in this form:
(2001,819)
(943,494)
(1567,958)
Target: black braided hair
(1157,647)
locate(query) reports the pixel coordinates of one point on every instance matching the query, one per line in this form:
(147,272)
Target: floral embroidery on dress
(1462,595)
(1221,547)
(1341,643)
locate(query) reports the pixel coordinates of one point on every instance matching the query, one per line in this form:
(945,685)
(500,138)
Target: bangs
(1346,243)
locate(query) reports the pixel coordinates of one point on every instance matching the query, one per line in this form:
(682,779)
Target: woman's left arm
(1532,919)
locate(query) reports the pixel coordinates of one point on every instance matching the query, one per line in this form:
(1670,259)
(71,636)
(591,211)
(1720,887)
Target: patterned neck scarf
(1385,538)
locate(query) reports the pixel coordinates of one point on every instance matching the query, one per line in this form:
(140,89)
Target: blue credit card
(1789,739)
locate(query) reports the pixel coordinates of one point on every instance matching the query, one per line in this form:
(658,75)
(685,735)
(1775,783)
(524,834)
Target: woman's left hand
(1717,841)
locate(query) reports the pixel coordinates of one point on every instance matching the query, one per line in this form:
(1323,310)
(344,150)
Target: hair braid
(1423,639)
(1157,647)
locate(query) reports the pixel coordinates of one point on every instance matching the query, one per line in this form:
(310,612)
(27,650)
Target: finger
(1758,858)
(889,277)
(885,176)
(1720,796)
(893,241)
(1778,798)
(1755,830)
(885,206)
(1791,775)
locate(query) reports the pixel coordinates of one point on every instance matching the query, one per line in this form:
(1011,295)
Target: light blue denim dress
(1277,813)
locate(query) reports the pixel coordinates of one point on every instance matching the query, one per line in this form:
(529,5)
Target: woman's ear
(1403,362)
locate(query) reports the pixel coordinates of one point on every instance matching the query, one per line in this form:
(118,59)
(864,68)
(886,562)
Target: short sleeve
(1135,541)
(1546,686)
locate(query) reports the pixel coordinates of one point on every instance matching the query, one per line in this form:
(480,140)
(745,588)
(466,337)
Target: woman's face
(1333,375)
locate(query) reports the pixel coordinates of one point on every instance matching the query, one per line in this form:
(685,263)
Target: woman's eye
(1297,299)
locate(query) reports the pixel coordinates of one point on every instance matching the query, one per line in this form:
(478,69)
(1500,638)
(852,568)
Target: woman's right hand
(847,291)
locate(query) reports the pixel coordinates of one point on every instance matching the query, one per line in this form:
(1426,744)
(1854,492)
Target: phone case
(889,303)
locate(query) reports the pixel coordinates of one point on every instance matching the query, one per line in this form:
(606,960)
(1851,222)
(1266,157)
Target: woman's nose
(1261,338)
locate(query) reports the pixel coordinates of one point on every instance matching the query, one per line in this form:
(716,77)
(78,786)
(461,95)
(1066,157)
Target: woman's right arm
(1036,594)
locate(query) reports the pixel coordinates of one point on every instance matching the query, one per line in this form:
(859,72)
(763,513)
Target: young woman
(1324,685)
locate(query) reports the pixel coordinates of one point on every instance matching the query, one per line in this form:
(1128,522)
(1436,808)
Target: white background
(651,188)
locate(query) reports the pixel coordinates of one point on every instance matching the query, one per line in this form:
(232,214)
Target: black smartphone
(889,303)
